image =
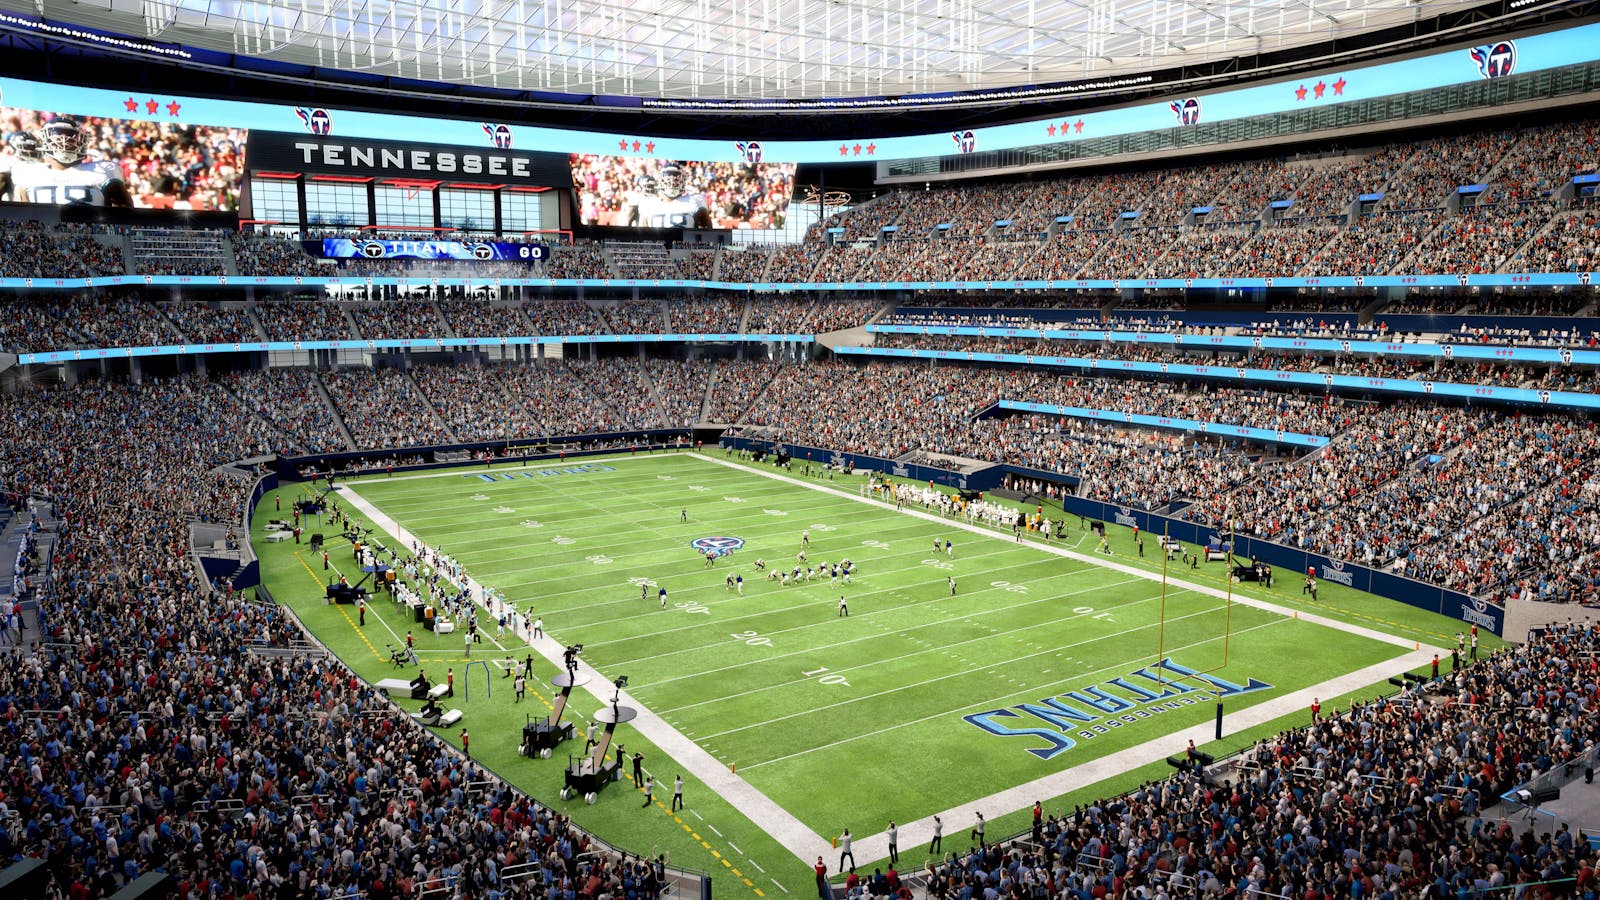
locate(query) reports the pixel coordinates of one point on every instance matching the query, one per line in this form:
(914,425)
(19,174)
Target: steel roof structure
(762,49)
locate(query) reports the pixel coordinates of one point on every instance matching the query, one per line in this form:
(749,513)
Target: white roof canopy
(715,49)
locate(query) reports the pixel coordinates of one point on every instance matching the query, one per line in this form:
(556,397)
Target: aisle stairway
(333,410)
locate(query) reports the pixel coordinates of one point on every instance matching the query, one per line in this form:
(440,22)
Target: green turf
(845,722)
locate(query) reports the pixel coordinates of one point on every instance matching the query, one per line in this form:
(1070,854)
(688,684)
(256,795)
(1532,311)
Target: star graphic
(622,145)
(130,104)
(1300,92)
(150,106)
(858,148)
(871,149)
(843,150)
(1051,130)
(173,107)
(650,147)
(1338,86)
(1078,126)
(636,145)
(1320,88)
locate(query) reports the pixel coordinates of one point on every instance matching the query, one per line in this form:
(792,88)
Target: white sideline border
(1101,561)
(767,815)
(597,459)
(798,838)
(1055,784)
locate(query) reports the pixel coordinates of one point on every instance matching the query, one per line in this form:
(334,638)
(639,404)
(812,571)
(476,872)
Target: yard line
(1077,678)
(871,637)
(736,599)
(503,468)
(1105,563)
(503,563)
(692,569)
(605,531)
(1093,771)
(601,481)
(895,690)
(941,648)
(473,514)
(782,825)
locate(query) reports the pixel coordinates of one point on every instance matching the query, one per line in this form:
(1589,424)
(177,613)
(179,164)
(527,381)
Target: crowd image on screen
(165,165)
(623,190)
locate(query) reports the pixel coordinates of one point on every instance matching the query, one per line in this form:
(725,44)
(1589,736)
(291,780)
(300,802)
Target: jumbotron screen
(655,193)
(347,248)
(62,160)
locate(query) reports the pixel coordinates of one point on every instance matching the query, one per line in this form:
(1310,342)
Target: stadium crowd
(202,324)
(680,387)
(480,318)
(736,385)
(147,736)
(398,320)
(31,250)
(383,409)
(784,315)
(304,321)
(139,712)
(1383,799)
(290,401)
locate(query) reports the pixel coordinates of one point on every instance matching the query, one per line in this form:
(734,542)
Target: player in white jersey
(65,178)
(672,205)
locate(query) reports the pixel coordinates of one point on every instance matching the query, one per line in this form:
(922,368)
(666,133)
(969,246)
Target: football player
(633,201)
(24,152)
(673,205)
(65,177)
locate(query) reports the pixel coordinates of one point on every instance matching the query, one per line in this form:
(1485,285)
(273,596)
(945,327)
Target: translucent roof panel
(750,49)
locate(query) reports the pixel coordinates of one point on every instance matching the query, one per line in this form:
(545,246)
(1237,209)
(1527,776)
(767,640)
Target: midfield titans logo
(717,546)
(1495,60)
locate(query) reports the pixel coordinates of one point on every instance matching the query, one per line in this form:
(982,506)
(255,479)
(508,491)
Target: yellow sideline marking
(353,626)
(704,843)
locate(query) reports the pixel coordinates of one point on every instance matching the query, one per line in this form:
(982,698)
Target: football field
(978,678)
